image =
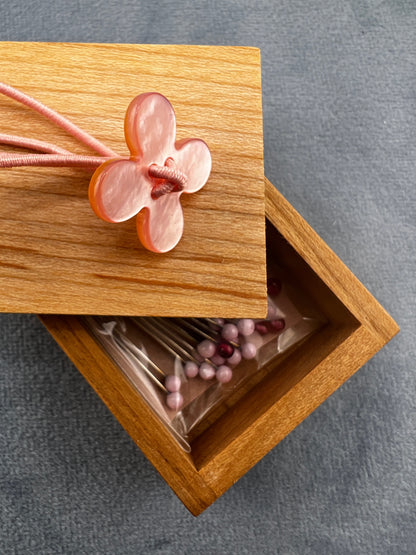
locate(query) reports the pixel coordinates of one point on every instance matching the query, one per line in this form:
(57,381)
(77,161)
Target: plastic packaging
(189,369)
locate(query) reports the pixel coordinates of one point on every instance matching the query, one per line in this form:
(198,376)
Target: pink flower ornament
(149,183)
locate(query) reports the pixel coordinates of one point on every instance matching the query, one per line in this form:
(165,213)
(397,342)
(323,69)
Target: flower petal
(119,189)
(150,128)
(193,158)
(160,225)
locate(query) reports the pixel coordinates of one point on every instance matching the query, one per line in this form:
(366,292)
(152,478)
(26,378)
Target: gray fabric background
(339,115)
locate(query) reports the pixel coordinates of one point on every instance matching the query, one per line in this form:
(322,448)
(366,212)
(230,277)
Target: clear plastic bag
(185,368)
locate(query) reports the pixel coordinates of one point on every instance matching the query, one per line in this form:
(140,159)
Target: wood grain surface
(56,256)
(293,387)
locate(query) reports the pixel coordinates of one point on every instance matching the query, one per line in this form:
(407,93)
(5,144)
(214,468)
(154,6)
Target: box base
(357,327)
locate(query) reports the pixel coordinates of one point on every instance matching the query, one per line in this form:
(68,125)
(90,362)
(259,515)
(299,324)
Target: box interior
(285,372)
(237,413)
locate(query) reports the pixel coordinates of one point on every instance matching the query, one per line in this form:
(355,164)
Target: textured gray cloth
(339,106)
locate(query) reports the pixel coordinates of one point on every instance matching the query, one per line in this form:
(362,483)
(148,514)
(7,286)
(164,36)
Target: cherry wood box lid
(56,256)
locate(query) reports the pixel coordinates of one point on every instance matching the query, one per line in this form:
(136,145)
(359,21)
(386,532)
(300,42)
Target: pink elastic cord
(171,174)
(13,160)
(59,157)
(33,144)
(59,120)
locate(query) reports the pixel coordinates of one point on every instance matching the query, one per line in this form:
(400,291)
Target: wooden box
(356,328)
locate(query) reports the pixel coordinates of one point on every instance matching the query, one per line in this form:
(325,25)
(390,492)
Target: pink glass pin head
(149,184)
